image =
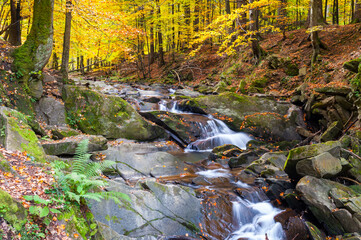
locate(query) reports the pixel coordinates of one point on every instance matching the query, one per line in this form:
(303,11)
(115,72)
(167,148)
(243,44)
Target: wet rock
(242,160)
(322,166)
(154,210)
(309,151)
(67,146)
(51,111)
(106,115)
(152,100)
(277,187)
(16,134)
(293,199)
(296,229)
(187,93)
(219,181)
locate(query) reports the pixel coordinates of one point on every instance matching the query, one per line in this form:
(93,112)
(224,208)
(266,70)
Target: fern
(84,181)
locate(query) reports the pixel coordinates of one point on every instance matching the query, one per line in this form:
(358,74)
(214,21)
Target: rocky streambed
(196,166)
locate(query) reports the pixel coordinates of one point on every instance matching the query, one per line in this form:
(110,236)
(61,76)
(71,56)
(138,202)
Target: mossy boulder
(309,151)
(67,146)
(12,211)
(352,65)
(258,116)
(111,116)
(16,134)
(58,133)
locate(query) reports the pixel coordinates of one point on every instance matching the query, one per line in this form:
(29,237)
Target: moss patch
(12,211)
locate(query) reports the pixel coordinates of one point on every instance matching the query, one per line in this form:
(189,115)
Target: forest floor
(208,67)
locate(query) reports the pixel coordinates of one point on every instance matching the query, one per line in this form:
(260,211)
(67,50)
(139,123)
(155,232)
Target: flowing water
(251,217)
(232,209)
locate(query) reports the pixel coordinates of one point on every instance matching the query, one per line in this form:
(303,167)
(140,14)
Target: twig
(307,140)
(351,153)
(349,179)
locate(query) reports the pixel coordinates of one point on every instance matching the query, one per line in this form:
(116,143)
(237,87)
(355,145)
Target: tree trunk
(15,27)
(228,7)
(357,12)
(34,54)
(335,18)
(160,38)
(256,48)
(316,20)
(66,42)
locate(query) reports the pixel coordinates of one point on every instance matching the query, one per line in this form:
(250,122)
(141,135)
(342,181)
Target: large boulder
(16,134)
(51,111)
(307,152)
(322,166)
(259,116)
(12,211)
(154,210)
(334,205)
(67,146)
(106,115)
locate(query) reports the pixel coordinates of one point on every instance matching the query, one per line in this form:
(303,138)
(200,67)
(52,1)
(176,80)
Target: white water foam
(215,173)
(255,221)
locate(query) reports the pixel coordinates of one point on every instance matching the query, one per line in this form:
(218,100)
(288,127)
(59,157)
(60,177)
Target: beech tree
(34,54)
(66,42)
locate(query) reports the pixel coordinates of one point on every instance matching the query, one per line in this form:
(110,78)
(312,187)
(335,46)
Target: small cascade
(255,220)
(216,133)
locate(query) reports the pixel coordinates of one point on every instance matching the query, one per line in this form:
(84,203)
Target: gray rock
(67,146)
(322,166)
(332,132)
(309,151)
(154,210)
(316,194)
(35,88)
(47,78)
(16,134)
(51,111)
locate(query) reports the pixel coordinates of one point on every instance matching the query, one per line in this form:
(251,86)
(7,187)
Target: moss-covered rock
(259,116)
(12,211)
(106,115)
(352,65)
(16,134)
(67,146)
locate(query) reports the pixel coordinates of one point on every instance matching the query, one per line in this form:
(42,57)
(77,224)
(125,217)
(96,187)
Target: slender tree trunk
(34,54)
(160,38)
(357,12)
(15,27)
(335,18)
(151,45)
(256,48)
(66,41)
(325,13)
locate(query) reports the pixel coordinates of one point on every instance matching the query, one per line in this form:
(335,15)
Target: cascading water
(253,217)
(214,132)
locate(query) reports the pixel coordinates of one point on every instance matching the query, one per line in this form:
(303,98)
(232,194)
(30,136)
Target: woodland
(180,119)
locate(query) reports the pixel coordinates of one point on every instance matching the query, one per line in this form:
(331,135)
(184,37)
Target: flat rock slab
(67,146)
(155,210)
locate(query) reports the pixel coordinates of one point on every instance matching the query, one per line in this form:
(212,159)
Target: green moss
(32,146)
(12,211)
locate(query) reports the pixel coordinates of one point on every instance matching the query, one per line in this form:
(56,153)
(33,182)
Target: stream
(245,215)
(231,208)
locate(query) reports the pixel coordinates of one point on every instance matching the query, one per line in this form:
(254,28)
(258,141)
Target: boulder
(16,134)
(332,132)
(297,154)
(317,194)
(35,88)
(107,115)
(322,166)
(51,111)
(250,114)
(12,211)
(58,133)
(352,65)
(154,210)
(67,146)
